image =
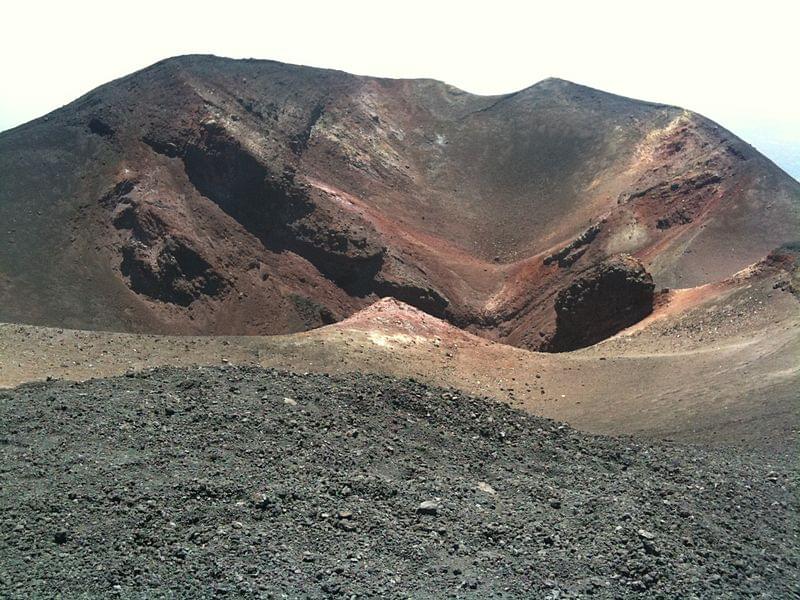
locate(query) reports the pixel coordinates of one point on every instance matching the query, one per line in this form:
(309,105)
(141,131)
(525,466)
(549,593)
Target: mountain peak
(212,195)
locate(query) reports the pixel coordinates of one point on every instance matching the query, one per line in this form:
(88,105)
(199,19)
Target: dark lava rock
(201,504)
(600,302)
(429,507)
(60,537)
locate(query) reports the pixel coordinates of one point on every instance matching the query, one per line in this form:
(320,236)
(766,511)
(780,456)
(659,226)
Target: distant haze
(735,64)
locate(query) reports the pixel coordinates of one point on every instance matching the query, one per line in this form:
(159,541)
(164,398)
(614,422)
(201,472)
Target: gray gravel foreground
(244,482)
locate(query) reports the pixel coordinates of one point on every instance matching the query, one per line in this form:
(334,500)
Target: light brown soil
(712,364)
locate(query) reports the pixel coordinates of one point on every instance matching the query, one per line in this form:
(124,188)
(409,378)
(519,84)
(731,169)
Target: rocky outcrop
(786,260)
(569,254)
(607,298)
(281,210)
(156,261)
(171,271)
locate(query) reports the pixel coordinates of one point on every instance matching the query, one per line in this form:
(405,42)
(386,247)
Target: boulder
(601,301)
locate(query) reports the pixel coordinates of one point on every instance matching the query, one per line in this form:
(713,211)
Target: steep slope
(207,195)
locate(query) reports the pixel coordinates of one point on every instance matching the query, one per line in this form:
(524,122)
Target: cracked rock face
(601,302)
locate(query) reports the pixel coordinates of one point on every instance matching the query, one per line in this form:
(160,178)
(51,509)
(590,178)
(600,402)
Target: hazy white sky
(736,62)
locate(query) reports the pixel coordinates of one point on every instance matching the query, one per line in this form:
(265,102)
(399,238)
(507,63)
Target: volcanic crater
(212,196)
(282,331)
